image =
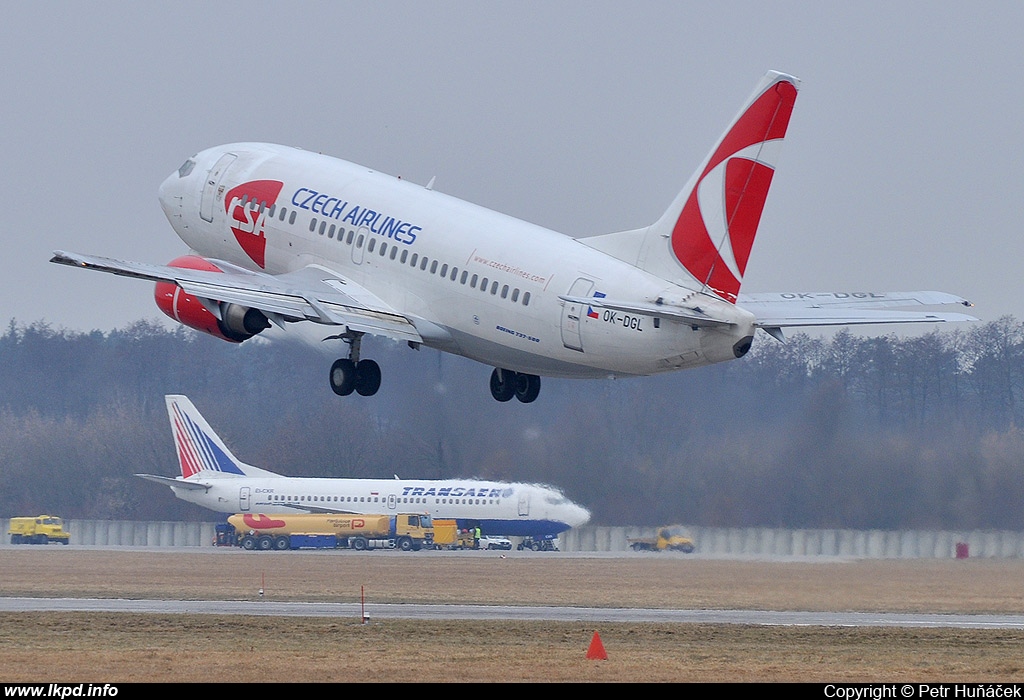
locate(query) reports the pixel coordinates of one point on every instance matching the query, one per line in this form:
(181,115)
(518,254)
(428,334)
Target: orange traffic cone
(596,650)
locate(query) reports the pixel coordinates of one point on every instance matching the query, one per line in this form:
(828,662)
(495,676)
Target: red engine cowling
(237,323)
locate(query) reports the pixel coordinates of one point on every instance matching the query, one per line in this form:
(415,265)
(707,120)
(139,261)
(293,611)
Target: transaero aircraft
(279,235)
(212,477)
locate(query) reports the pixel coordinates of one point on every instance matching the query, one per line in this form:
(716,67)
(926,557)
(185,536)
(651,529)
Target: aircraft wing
(313,293)
(776,310)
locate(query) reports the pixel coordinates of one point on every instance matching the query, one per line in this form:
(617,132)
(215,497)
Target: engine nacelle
(237,323)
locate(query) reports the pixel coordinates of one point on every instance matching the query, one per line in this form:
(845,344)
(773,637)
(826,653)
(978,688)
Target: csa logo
(247,206)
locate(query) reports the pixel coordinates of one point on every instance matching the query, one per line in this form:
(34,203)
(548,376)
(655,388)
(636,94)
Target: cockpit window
(186,168)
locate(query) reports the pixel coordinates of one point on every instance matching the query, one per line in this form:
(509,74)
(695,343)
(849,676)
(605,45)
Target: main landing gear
(505,384)
(352,374)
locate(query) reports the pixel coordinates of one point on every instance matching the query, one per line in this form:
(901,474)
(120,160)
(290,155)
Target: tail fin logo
(197,451)
(715,231)
(247,207)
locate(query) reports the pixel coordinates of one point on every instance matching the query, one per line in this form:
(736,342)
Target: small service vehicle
(494,542)
(673,538)
(547,543)
(41,529)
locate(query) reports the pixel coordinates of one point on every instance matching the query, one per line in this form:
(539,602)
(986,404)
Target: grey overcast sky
(901,170)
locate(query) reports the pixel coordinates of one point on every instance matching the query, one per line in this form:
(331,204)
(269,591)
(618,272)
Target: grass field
(115,647)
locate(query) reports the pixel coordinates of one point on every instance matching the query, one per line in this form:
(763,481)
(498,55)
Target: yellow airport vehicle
(41,529)
(447,535)
(404,531)
(671,538)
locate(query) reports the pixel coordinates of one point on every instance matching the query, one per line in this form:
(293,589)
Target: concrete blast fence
(753,542)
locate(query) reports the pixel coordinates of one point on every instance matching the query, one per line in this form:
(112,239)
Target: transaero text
(457,491)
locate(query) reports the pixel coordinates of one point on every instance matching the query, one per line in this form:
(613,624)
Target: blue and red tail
(199,449)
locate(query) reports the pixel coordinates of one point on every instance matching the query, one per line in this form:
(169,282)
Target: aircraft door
(359,244)
(572,315)
(524,504)
(243,499)
(210,193)
(392,501)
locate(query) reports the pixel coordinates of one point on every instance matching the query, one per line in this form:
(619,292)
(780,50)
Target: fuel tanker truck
(404,531)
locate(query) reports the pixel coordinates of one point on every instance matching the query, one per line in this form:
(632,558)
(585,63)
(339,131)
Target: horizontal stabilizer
(777,310)
(175,482)
(855,300)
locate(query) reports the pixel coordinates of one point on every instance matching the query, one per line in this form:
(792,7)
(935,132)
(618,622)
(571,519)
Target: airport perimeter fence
(744,542)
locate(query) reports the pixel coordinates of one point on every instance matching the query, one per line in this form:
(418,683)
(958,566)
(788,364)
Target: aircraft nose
(578,516)
(172,189)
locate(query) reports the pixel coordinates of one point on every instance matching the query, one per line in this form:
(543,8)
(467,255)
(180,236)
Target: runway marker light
(596,650)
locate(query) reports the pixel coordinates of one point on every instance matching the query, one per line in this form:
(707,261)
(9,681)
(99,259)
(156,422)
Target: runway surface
(500,612)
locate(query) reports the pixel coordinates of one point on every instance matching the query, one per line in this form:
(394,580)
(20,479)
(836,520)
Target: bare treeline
(848,431)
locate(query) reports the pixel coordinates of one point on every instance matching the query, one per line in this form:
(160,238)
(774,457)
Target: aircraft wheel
(367,380)
(503,386)
(527,387)
(343,376)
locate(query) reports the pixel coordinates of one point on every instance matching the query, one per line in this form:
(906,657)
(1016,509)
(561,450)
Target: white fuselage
(498,508)
(483,285)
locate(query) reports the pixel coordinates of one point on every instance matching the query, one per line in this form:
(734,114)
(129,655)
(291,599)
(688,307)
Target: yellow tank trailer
(405,531)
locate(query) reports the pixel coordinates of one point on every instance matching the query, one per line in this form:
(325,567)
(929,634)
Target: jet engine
(236,323)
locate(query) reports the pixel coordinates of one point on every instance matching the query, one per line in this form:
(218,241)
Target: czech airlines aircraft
(280,235)
(212,477)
